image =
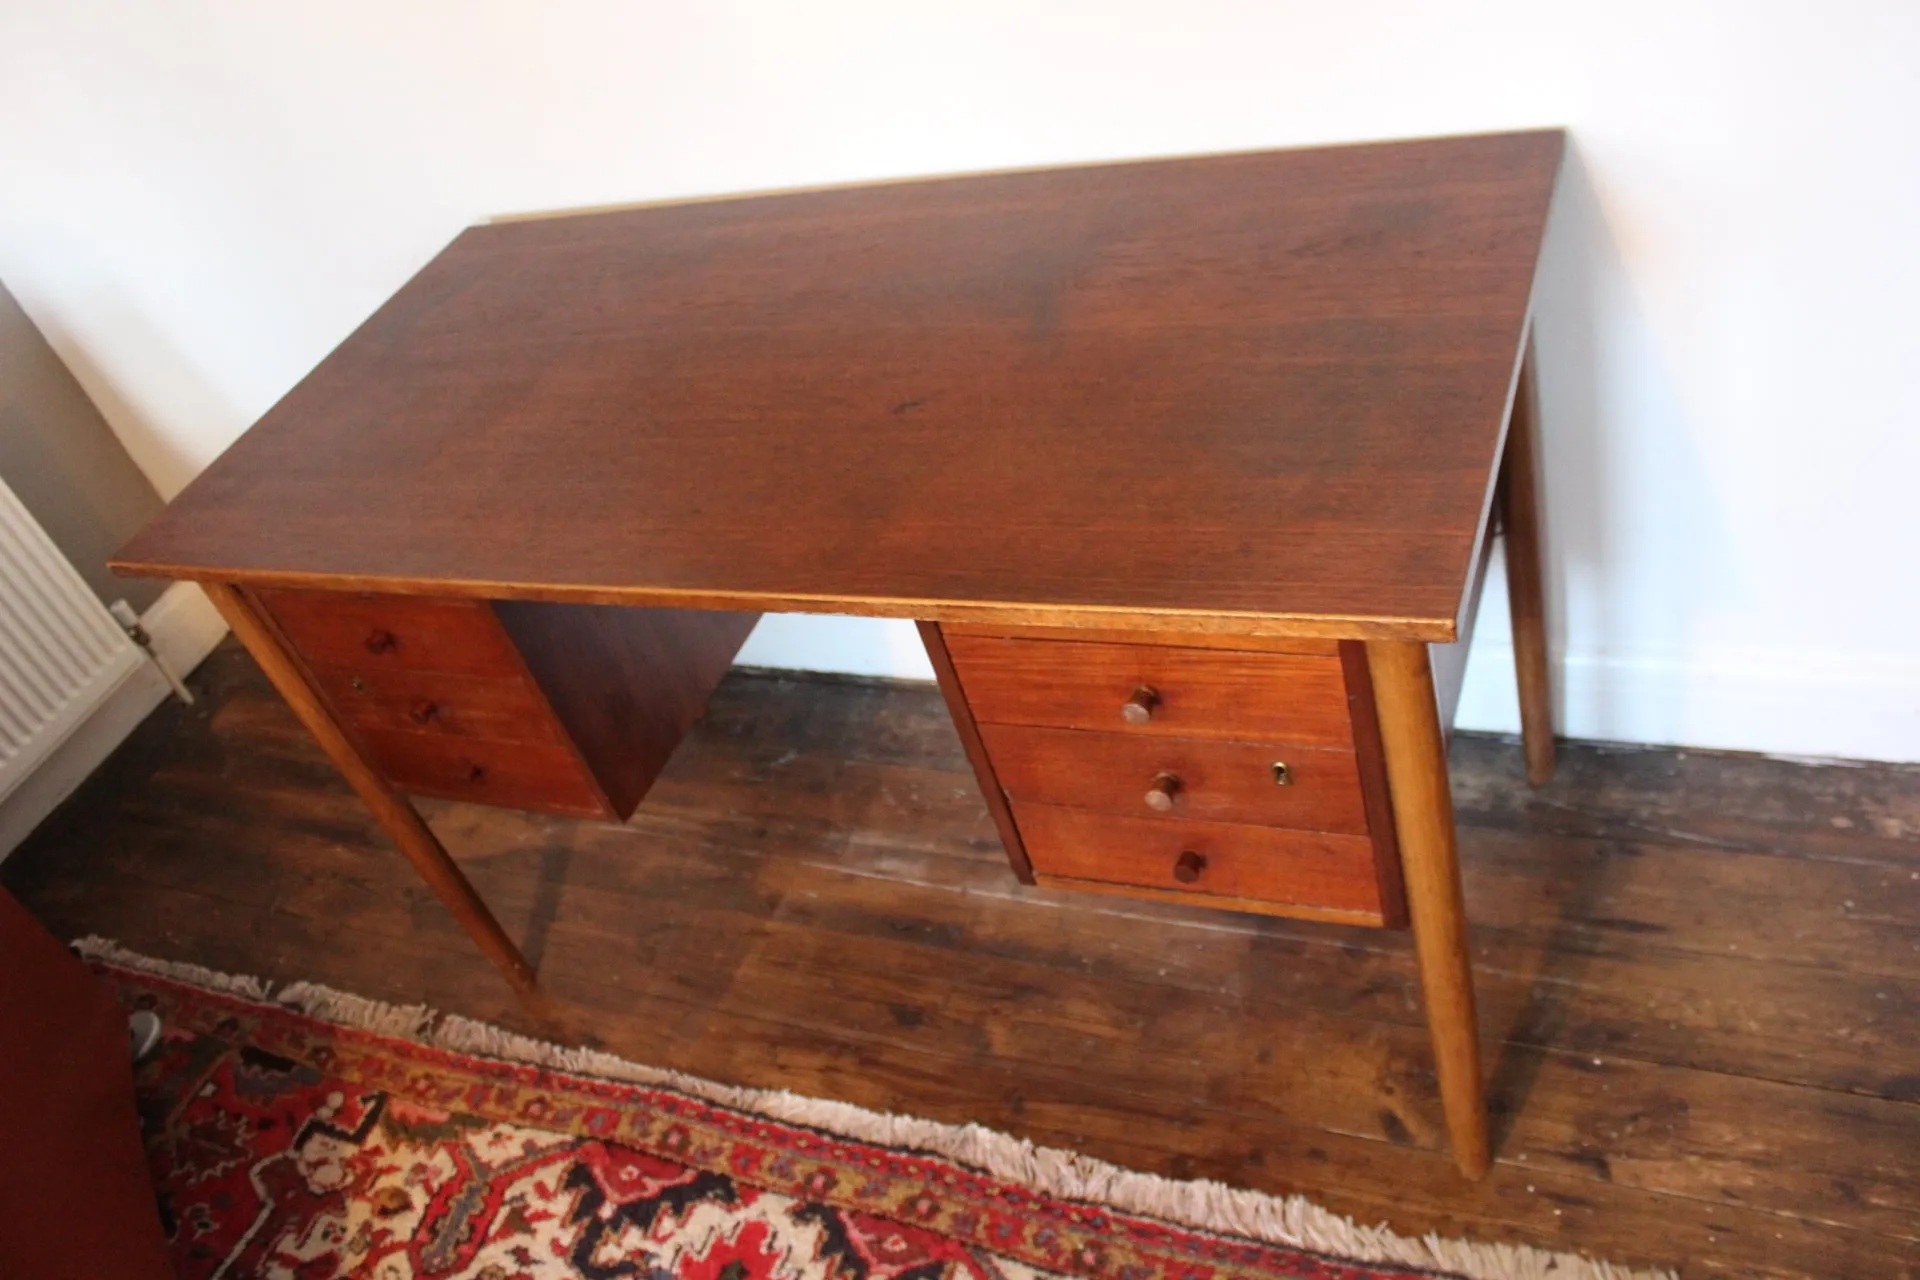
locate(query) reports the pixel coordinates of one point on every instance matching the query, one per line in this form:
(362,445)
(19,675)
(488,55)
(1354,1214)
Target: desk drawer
(503,709)
(517,775)
(1204,861)
(1154,690)
(384,632)
(1069,769)
(1136,775)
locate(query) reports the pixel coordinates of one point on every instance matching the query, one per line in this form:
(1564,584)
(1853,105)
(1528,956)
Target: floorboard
(1697,971)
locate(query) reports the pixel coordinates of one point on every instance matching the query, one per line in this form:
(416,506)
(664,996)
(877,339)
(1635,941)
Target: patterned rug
(309,1133)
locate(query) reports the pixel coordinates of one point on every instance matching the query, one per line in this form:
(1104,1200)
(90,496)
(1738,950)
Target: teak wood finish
(627,683)
(1198,453)
(1306,873)
(399,819)
(1520,510)
(1244,393)
(1249,779)
(568,709)
(1154,777)
(1191,693)
(1423,816)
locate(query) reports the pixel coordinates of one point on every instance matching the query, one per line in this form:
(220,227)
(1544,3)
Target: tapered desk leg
(1526,596)
(1423,816)
(395,814)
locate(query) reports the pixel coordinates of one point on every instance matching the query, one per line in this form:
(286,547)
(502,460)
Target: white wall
(198,199)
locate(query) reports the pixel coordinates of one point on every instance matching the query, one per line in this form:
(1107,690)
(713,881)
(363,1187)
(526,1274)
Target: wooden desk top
(1245,393)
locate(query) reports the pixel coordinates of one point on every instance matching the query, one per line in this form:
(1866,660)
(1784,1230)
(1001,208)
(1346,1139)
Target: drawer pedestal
(1250,779)
(558,708)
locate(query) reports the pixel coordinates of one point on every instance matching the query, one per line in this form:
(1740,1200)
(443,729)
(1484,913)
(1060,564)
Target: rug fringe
(1200,1203)
(95,947)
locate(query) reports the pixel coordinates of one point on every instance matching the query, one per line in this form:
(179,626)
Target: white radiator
(61,653)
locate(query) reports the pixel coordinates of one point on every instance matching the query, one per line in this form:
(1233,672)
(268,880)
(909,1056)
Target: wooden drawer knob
(476,774)
(423,711)
(1188,866)
(1139,708)
(382,641)
(1164,790)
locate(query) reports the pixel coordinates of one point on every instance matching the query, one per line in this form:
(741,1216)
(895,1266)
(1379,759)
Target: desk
(1187,470)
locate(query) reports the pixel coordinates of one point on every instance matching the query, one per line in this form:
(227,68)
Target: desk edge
(1329,626)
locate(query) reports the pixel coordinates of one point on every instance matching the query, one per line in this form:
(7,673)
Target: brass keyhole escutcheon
(1281,776)
(359,685)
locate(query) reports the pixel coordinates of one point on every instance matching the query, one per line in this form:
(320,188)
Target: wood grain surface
(397,633)
(1218,781)
(1311,869)
(1195,639)
(1519,499)
(1694,969)
(507,709)
(1252,392)
(519,775)
(626,683)
(254,627)
(933,636)
(1195,693)
(1415,751)
(1370,757)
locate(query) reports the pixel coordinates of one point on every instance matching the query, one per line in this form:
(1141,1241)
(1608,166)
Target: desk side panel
(626,683)
(1376,795)
(932,634)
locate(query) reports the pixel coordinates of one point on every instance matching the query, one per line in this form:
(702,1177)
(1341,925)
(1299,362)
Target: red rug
(286,1143)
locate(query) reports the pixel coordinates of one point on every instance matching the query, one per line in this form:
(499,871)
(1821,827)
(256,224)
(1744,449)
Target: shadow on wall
(1635,548)
(151,385)
(64,462)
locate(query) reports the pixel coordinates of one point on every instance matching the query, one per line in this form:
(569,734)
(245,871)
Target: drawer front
(507,710)
(381,632)
(1182,640)
(1135,775)
(514,775)
(1303,869)
(1154,690)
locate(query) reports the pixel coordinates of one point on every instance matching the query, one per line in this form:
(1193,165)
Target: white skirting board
(185,627)
(887,647)
(1823,707)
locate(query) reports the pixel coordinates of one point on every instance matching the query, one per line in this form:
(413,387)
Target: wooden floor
(1699,975)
